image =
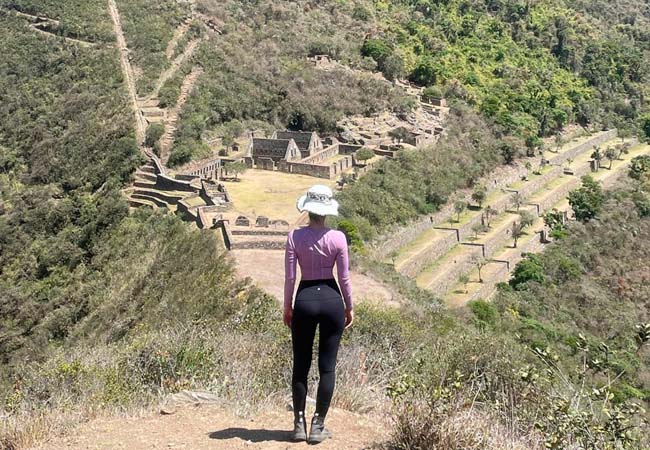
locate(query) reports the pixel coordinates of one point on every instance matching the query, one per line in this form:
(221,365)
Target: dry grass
(271,194)
(459,427)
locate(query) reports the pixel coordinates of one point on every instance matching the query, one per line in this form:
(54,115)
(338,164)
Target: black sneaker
(299,429)
(318,433)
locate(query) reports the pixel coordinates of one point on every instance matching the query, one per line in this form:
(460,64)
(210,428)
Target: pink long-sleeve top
(316,250)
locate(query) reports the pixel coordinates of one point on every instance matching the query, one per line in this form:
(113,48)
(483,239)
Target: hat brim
(318,208)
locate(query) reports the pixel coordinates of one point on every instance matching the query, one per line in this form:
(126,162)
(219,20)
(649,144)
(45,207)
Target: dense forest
(84,311)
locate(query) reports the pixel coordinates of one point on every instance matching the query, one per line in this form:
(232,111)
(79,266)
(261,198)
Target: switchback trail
(213,428)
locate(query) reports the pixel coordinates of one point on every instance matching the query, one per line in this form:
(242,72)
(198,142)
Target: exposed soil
(211,427)
(266,268)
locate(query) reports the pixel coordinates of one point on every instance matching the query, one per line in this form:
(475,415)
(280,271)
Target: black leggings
(318,304)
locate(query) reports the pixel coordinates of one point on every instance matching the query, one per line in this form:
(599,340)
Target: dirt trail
(211,427)
(38,21)
(140,125)
(178,34)
(175,67)
(173,114)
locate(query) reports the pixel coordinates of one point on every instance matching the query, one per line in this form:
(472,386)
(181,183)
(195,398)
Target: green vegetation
(419,182)
(262,73)
(148,28)
(95,311)
(154,132)
(81,19)
(587,202)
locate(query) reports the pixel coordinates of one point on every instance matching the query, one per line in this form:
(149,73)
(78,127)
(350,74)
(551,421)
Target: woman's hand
(287,316)
(349,317)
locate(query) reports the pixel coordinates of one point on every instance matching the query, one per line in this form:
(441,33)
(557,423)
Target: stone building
(308,142)
(261,151)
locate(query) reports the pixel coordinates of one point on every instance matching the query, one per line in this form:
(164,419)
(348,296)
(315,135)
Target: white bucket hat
(318,200)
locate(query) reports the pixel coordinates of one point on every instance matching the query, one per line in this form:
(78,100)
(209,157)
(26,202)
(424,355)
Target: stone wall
(167,183)
(500,179)
(455,268)
(437,249)
(319,171)
(488,289)
(598,139)
(322,155)
(225,231)
(258,232)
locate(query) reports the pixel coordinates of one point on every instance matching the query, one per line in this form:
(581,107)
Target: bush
(154,133)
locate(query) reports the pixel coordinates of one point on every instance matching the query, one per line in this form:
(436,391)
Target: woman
(319,303)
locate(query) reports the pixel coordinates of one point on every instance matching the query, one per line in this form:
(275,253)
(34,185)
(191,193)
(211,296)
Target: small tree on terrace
(235,167)
(479,195)
(459,207)
(517,231)
(597,155)
(611,154)
(517,200)
(528,166)
(559,142)
(479,262)
(527,218)
(364,154)
(464,279)
(477,228)
(489,213)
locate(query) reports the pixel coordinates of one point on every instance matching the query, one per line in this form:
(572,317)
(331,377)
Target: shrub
(154,133)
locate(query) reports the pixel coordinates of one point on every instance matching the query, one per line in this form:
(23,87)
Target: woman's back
(316,250)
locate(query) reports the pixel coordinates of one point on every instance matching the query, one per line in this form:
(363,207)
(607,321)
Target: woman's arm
(343,270)
(290,260)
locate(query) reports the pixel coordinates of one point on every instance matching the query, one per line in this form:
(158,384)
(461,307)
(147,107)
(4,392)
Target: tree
(364,154)
(464,279)
(527,218)
(517,231)
(489,213)
(477,228)
(640,168)
(528,269)
(459,207)
(597,156)
(528,166)
(517,200)
(554,220)
(430,93)
(611,154)
(559,142)
(235,167)
(377,49)
(425,73)
(587,201)
(508,152)
(532,144)
(153,134)
(479,262)
(393,67)
(479,195)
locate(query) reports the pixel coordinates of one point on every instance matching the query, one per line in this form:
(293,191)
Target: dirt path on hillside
(266,269)
(127,70)
(211,427)
(175,66)
(178,34)
(171,122)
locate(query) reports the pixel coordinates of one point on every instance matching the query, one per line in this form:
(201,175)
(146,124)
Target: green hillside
(103,309)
